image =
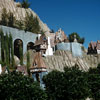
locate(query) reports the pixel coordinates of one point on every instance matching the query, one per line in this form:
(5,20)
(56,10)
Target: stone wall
(75,48)
(63,59)
(26,37)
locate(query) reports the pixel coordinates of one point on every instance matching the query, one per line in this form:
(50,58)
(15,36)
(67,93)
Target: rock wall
(63,59)
(19,13)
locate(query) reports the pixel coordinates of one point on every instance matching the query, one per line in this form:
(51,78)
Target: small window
(37,77)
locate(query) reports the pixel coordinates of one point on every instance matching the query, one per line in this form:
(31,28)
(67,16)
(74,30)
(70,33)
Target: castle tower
(49,51)
(38,69)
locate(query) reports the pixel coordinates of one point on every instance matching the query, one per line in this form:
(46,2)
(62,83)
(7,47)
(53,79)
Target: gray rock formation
(19,13)
(63,59)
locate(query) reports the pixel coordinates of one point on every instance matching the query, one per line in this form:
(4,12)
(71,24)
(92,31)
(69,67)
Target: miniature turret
(38,69)
(75,39)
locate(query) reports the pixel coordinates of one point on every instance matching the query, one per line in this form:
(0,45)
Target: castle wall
(74,47)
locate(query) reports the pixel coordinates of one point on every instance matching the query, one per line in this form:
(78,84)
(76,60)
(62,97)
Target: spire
(75,39)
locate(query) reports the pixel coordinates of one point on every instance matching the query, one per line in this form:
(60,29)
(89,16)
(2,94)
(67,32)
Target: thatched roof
(38,64)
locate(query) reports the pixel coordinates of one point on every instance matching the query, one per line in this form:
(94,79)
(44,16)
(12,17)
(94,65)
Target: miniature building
(98,47)
(61,37)
(38,69)
(22,69)
(52,39)
(49,51)
(94,47)
(43,45)
(3,69)
(74,47)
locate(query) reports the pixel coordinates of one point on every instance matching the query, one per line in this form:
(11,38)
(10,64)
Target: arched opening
(30,45)
(18,47)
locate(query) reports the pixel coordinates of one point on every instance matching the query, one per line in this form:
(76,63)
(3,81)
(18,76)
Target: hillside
(19,12)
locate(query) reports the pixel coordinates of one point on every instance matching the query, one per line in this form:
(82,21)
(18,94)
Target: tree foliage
(25,4)
(7,52)
(7,19)
(94,82)
(54,85)
(31,23)
(28,62)
(79,39)
(15,86)
(12,61)
(11,19)
(21,55)
(68,85)
(4,17)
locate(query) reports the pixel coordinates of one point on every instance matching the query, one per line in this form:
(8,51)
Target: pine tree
(4,17)
(21,55)
(11,51)
(28,62)
(7,53)
(25,4)
(11,19)
(32,23)
(2,46)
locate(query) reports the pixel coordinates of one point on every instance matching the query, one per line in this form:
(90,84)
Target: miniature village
(43,45)
(38,63)
(48,50)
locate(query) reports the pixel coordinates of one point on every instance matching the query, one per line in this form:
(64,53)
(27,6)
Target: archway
(18,47)
(30,45)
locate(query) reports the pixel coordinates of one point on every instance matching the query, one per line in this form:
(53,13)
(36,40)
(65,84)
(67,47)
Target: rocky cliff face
(63,59)
(18,12)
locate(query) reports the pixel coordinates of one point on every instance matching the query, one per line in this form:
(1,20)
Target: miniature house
(38,69)
(43,45)
(94,47)
(60,36)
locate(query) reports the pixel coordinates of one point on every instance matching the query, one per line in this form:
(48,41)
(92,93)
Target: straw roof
(38,63)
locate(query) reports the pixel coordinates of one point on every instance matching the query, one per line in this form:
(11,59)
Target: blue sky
(81,16)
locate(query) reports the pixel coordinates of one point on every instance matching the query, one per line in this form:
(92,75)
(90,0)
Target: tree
(77,84)
(4,17)
(11,51)
(72,84)
(11,19)
(7,52)
(2,46)
(94,82)
(15,86)
(79,39)
(25,4)
(21,55)
(31,23)
(54,82)
(28,62)
(19,24)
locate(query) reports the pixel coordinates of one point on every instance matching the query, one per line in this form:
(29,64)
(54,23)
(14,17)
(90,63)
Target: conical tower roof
(38,64)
